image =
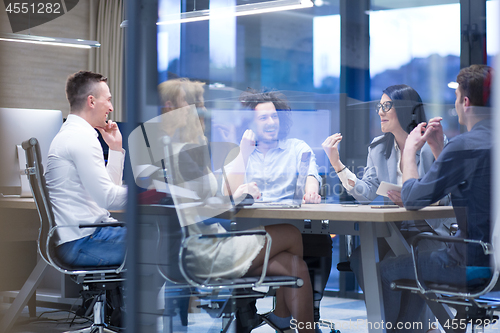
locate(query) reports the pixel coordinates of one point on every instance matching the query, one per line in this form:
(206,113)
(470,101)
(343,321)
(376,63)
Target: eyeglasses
(386,106)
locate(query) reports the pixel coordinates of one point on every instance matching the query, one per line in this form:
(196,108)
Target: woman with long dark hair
(400,110)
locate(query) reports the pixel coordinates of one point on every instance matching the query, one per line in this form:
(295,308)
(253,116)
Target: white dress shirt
(81,187)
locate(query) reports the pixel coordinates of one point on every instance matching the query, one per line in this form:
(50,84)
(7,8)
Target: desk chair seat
(96,281)
(469,299)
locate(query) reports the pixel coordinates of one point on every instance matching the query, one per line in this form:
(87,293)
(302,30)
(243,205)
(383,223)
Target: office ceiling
(322,7)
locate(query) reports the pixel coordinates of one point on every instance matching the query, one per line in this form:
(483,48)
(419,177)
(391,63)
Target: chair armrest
(232,234)
(487,249)
(102,225)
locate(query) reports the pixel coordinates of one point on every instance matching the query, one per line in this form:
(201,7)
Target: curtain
(108,59)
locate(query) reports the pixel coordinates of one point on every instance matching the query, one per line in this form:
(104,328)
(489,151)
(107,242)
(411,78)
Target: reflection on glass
(169,42)
(399,36)
(326,51)
(492,28)
(222,40)
(420,47)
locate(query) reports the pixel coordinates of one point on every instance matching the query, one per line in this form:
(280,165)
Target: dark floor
(337,310)
(344,313)
(48,320)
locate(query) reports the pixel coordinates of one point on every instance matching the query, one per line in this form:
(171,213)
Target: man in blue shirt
(267,157)
(271,161)
(462,168)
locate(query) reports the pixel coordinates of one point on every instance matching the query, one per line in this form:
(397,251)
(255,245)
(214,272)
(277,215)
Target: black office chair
(231,299)
(470,299)
(96,282)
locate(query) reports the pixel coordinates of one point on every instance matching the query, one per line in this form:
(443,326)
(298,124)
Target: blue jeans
(403,308)
(105,247)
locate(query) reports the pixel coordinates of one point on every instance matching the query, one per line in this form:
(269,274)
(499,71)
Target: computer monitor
(16,126)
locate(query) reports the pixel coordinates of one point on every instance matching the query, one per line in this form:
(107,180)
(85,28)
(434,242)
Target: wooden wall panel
(34,76)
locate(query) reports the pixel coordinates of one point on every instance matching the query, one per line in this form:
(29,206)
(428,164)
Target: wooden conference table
(366,221)
(363,220)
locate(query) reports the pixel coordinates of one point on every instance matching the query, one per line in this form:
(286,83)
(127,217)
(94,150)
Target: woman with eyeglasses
(400,110)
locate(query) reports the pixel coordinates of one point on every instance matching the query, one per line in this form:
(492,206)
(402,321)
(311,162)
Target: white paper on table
(385,187)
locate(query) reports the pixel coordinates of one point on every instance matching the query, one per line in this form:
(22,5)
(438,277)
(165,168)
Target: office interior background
(331,60)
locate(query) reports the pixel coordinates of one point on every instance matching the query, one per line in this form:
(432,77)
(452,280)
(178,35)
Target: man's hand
(249,188)
(111,135)
(395,196)
(312,197)
(311,191)
(434,136)
(415,139)
(414,142)
(247,144)
(330,146)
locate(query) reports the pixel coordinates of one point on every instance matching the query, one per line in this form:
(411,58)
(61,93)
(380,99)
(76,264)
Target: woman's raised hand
(330,146)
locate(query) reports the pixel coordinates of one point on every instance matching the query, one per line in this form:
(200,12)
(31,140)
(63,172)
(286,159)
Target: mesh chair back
(46,241)
(191,183)
(40,194)
(170,237)
(174,231)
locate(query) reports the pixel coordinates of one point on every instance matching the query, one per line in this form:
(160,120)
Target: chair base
(93,329)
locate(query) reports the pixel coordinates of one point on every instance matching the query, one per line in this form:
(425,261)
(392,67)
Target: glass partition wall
(331,60)
(295,52)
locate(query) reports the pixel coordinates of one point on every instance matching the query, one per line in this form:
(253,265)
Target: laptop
(296,202)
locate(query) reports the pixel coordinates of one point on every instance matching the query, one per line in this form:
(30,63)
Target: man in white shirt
(81,186)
